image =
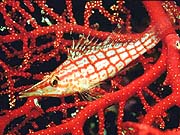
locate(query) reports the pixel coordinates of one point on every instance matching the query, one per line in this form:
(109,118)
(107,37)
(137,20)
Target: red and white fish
(90,63)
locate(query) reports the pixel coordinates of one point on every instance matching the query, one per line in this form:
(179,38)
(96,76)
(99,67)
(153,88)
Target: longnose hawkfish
(89,63)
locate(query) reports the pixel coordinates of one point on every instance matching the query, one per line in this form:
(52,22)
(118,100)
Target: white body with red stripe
(90,67)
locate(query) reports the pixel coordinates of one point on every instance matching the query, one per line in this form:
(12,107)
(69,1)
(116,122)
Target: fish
(89,63)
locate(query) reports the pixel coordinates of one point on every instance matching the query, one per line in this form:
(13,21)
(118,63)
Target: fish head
(51,86)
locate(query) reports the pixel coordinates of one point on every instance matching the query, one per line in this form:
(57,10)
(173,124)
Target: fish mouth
(35,90)
(31,92)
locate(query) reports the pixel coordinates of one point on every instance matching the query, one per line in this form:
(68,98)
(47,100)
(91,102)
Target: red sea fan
(141,99)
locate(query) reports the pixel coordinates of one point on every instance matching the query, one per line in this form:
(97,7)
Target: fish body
(88,66)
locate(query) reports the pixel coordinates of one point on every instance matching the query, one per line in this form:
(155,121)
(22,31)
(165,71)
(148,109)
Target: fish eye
(54,81)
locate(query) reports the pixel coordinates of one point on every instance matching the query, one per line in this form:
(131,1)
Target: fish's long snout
(30,92)
(35,90)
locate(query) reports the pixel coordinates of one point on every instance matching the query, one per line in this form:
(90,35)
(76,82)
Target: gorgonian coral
(141,99)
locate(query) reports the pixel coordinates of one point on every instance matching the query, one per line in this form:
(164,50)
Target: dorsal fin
(86,45)
(79,48)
